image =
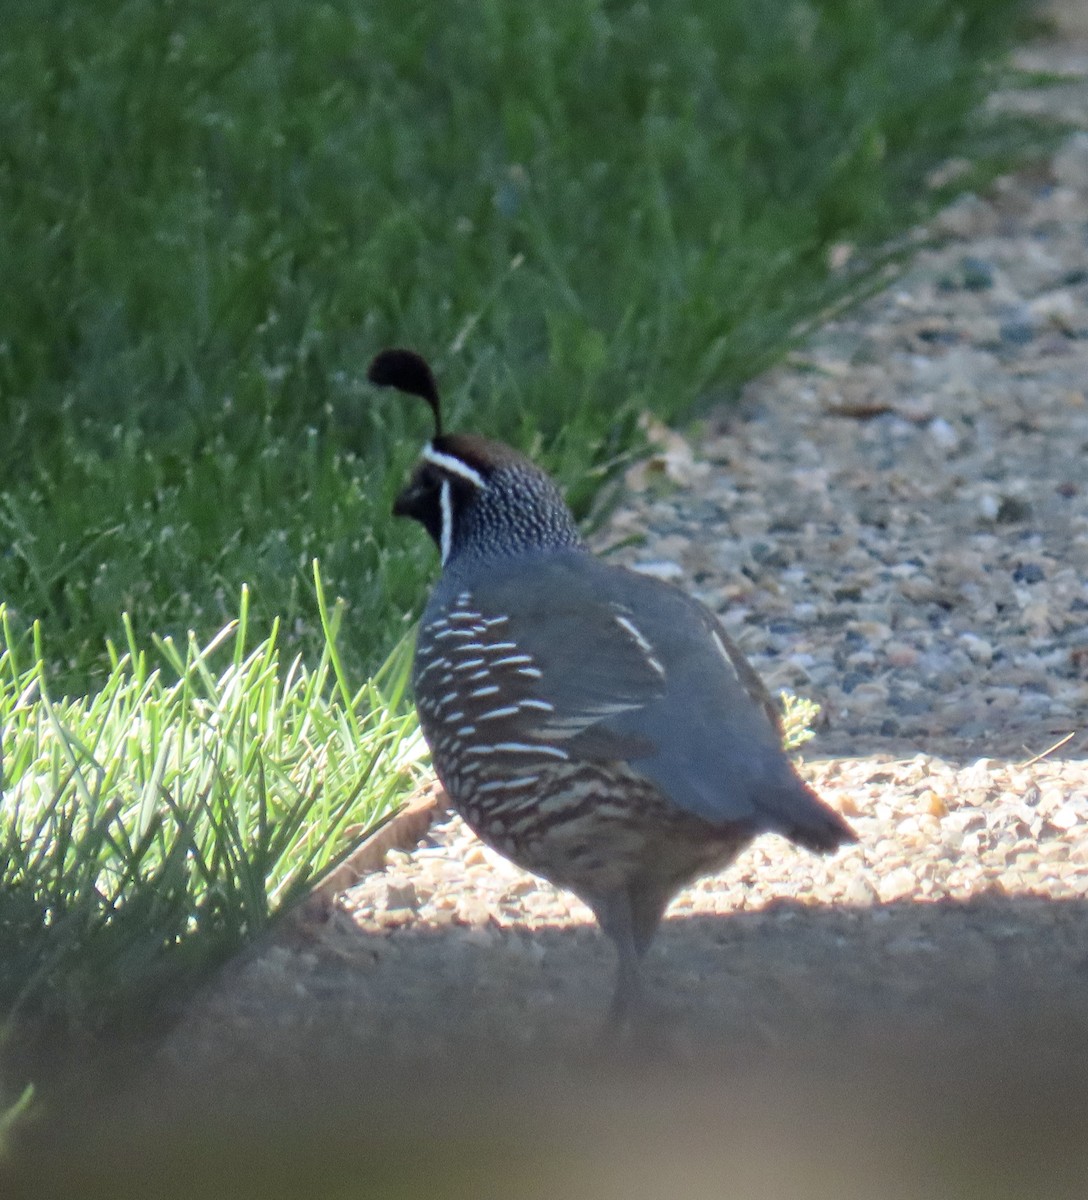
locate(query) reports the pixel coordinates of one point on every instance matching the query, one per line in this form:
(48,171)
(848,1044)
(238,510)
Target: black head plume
(408,372)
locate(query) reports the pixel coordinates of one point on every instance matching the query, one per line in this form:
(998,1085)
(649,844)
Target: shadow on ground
(901,1050)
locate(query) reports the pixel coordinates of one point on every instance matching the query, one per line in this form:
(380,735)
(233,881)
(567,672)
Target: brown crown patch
(480,453)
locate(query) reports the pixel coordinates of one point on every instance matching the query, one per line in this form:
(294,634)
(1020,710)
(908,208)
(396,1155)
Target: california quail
(594,725)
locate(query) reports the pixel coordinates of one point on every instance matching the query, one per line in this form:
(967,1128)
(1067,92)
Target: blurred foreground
(978,1088)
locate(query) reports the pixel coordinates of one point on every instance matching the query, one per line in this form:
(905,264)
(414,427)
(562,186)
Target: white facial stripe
(447,520)
(453,465)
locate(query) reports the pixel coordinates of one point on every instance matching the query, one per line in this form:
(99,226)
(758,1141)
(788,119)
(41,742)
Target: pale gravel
(895,524)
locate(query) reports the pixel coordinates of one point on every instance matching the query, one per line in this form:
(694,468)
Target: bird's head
(473,495)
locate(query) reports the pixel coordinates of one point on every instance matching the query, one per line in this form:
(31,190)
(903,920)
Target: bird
(592,724)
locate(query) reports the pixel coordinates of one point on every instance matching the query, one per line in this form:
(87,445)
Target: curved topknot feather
(408,372)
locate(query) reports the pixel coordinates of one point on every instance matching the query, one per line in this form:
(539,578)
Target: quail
(594,725)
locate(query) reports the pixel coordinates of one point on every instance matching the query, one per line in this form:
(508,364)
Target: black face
(437,498)
(421,499)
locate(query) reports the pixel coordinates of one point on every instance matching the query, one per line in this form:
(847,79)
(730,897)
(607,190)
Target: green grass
(212,215)
(151,829)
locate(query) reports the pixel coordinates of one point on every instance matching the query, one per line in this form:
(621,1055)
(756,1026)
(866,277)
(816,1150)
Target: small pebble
(659,570)
(1070,164)
(943,434)
(1028,573)
(896,884)
(401,896)
(1017,332)
(988,506)
(979,650)
(978,274)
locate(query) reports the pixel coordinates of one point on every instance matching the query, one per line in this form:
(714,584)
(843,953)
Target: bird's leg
(647,908)
(629,919)
(613,912)
(628,1005)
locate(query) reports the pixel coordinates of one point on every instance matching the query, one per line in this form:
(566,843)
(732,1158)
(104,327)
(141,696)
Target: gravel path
(895,524)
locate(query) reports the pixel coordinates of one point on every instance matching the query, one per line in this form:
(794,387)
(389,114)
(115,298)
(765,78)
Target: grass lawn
(211,216)
(160,823)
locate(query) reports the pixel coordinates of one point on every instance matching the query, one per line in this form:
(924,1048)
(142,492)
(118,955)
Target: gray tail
(815,825)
